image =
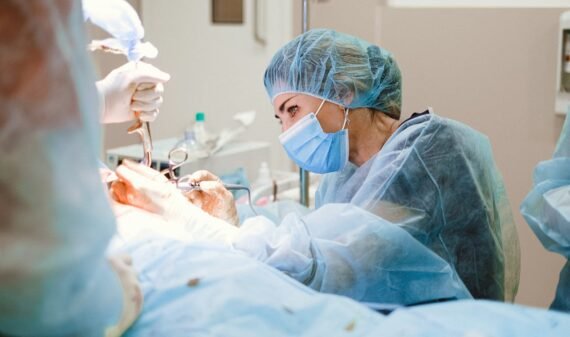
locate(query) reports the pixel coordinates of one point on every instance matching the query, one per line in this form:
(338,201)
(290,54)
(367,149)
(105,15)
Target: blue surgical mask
(314,150)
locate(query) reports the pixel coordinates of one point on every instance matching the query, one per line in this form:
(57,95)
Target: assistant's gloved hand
(132,294)
(133,87)
(146,188)
(143,187)
(212,197)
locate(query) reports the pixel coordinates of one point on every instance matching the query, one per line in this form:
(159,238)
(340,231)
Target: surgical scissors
(178,157)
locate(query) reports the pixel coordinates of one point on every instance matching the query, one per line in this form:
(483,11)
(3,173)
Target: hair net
(339,68)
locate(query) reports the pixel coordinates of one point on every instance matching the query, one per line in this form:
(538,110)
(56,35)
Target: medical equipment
(143,130)
(237,154)
(304,182)
(178,157)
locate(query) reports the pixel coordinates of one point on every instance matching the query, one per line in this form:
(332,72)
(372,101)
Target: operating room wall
(217,68)
(494,69)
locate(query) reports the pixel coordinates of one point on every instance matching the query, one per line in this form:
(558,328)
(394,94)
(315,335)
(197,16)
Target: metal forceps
(177,157)
(143,130)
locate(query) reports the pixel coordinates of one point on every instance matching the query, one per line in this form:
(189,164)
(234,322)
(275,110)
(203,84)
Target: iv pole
(304,175)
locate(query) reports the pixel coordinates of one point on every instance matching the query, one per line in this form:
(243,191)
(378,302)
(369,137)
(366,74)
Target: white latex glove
(212,197)
(132,294)
(143,187)
(133,87)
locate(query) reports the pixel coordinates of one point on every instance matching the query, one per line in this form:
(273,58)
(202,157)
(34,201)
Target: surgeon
(442,227)
(547,210)
(55,278)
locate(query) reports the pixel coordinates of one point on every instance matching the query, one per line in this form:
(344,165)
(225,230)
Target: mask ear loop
(319,108)
(346,120)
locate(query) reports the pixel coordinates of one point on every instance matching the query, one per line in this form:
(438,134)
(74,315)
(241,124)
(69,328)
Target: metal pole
(305,22)
(304,175)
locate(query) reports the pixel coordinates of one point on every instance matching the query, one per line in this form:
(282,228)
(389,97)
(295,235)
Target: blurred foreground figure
(54,277)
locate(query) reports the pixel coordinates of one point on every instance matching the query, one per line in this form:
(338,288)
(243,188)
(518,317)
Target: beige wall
(492,69)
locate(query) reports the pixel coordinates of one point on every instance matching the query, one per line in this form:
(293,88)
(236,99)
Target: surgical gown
(547,211)
(426,218)
(436,178)
(56,220)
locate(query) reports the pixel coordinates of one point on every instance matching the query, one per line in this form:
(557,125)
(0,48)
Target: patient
(204,289)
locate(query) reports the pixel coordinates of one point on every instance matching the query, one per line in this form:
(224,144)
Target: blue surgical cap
(339,68)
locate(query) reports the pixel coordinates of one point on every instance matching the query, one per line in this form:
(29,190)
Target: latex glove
(143,187)
(212,197)
(132,294)
(133,87)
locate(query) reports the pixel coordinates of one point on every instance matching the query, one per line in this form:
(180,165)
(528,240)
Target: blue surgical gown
(436,178)
(547,211)
(426,218)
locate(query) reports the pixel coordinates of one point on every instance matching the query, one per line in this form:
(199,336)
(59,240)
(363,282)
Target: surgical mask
(313,149)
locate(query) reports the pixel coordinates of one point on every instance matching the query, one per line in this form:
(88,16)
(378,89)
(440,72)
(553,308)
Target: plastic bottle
(200,132)
(192,147)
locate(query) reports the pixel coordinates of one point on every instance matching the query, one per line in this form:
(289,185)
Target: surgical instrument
(177,157)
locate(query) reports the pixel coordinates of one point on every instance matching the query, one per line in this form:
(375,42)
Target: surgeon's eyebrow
(282,106)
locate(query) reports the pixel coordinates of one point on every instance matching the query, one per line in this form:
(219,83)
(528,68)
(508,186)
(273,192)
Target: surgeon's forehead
(282,98)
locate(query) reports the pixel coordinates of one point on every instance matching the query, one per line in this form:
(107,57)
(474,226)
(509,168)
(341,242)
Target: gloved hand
(133,87)
(132,294)
(212,197)
(143,187)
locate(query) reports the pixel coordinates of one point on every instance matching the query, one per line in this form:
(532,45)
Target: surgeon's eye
(292,110)
(279,120)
